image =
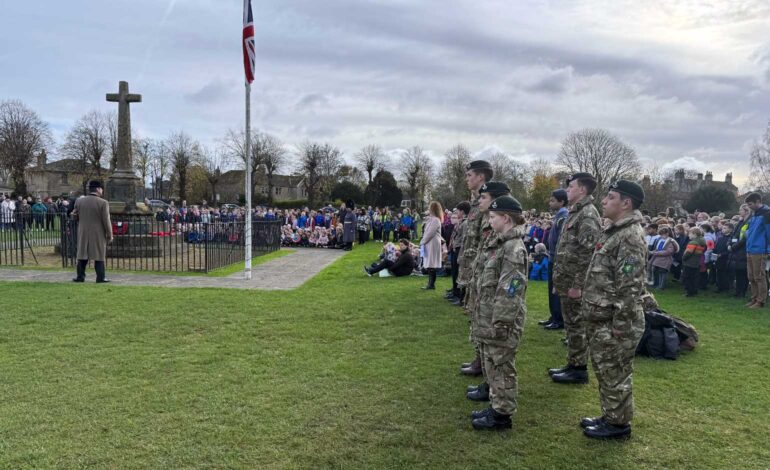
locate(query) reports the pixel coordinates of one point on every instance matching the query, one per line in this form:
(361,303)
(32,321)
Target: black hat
(505,204)
(628,188)
(495,188)
(478,165)
(576,176)
(94,184)
(560,195)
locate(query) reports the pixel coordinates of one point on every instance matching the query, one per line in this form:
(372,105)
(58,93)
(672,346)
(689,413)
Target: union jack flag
(249,46)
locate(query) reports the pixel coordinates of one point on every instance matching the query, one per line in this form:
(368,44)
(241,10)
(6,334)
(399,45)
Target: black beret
(560,195)
(628,188)
(478,165)
(505,204)
(576,176)
(495,188)
(94,184)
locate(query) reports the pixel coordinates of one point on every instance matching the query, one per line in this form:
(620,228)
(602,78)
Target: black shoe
(553,326)
(480,394)
(586,422)
(480,413)
(102,281)
(458,301)
(544,322)
(77,279)
(492,421)
(559,370)
(606,430)
(473,388)
(573,376)
(449,296)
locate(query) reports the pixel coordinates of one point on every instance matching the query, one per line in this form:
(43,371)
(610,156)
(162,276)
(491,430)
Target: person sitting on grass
(323,238)
(398,262)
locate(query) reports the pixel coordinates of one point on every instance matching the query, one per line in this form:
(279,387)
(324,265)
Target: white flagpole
(247,268)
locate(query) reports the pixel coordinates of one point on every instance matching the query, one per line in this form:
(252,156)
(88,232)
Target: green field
(346,372)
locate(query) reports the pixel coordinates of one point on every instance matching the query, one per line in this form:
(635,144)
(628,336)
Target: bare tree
(265,150)
(309,166)
(111,120)
(143,155)
(22,135)
(511,172)
(183,153)
(760,162)
(600,153)
(416,171)
(160,164)
(213,162)
(269,152)
(371,159)
(450,187)
(88,142)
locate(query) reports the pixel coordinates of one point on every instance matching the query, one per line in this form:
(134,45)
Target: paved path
(286,272)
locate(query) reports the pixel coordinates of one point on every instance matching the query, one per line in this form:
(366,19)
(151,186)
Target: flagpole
(247,268)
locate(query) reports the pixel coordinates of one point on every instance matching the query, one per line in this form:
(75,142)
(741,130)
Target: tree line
(370,176)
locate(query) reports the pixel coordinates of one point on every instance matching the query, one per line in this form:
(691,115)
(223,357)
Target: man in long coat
(349,225)
(94,231)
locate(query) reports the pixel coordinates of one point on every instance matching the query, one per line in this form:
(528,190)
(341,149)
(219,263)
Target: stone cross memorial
(121,186)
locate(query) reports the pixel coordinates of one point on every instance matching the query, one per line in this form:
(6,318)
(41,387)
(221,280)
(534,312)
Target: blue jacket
(553,235)
(758,233)
(539,268)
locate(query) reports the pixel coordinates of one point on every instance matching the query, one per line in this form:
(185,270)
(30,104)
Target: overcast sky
(685,82)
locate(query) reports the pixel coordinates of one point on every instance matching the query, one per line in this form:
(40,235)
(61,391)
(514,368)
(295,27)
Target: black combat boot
(559,370)
(492,421)
(473,388)
(480,394)
(474,370)
(605,430)
(586,422)
(576,375)
(480,413)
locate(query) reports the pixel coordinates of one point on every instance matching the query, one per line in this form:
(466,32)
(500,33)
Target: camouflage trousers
(575,328)
(500,373)
(613,362)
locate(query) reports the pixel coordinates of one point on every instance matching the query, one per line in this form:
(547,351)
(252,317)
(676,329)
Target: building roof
(279,181)
(69,165)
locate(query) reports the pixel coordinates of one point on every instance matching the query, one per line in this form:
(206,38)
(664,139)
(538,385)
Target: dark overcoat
(94,227)
(349,227)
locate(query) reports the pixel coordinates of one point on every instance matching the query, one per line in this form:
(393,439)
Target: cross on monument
(121,187)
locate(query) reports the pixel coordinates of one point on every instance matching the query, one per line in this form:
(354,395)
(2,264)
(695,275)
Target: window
(64,178)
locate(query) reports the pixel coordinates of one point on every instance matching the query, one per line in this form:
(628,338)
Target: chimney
(679,174)
(729,178)
(42,159)
(709,177)
(700,176)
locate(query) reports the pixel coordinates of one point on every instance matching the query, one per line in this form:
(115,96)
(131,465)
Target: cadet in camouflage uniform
(613,310)
(579,235)
(477,173)
(487,194)
(502,289)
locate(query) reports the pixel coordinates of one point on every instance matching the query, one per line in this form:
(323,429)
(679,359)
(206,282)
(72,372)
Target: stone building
(231,187)
(62,177)
(681,186)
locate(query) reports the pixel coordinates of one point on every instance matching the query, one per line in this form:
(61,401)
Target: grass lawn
(346,372)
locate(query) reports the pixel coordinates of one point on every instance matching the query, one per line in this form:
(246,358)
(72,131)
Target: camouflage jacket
(579,235)
(471,242)
(502,288)
(615,282)
(477,264)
